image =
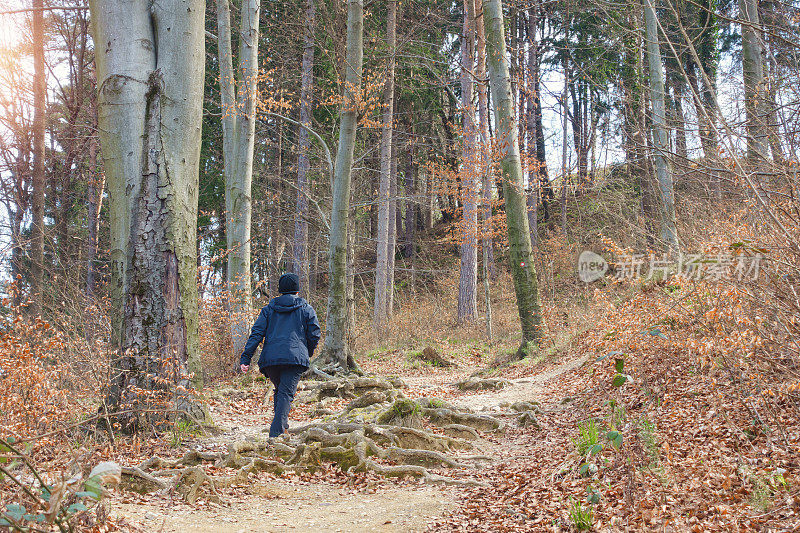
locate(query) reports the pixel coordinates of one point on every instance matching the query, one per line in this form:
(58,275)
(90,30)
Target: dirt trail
(280,505)
(526,389)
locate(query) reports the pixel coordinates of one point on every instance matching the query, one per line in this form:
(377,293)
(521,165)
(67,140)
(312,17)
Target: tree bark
(300,246)
(96,186)
(519,239)
(754,86)
(394,214)
(680,121)
(238,129)
(336,323)
(564,169)
(412,207)
(669,234)
(485,143)
(381,310)
(150,83)
(37,200)
(468,278)
(707,47)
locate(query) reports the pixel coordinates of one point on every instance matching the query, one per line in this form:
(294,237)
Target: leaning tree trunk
(336,349)
(381,310)
(300,246)
(37,200)
(150,73)
(523,269)
(238,130)
(754,87)
(669,235)
(468,278)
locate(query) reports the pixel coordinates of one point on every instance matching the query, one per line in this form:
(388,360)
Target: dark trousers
(285,379)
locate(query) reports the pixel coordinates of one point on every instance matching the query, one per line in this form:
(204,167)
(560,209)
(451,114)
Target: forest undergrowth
(683,417)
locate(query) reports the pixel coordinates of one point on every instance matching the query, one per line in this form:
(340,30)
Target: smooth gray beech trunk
(381,310)
(468,277)
(755,90)
(150,73)
(669,235)
(395,224)
(300,245)
(521,258)
(37,194)
(238,136)
(486,174)
(336,348)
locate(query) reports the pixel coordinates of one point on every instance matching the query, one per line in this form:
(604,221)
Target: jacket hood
(286,303)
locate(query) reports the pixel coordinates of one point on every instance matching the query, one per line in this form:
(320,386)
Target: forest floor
(330,501)
(672,448)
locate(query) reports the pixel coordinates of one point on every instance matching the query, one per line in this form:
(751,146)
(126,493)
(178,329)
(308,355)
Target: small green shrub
(181,431)
(588,437)
(580,516)
(649,440)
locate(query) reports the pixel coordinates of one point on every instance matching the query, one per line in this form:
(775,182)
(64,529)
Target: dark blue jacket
(289,328)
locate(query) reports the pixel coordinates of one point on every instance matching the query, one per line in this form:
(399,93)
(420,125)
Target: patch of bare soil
(279,506)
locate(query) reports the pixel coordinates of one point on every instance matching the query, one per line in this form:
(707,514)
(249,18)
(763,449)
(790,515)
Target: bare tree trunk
(150,73)
(427,194)
(768,11)
(680,120)
(96,186)
(754,87)
(382,310)
(772,116)
(468,279)
(300,246)
(336,323)
(238,146)
(537,176)
(669,234)
(37,200)
(351,294)
(564,169)
(412,207)
(393,227)
(519,238)
(485,143)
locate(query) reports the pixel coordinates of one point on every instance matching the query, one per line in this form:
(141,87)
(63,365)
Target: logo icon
(591,266)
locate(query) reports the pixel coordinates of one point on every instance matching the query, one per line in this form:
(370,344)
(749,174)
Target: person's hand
(244,368)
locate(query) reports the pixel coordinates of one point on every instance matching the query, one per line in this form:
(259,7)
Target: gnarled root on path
(395,445)
(349,387)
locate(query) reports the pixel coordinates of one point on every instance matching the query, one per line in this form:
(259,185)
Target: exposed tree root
(350,387)
(136,480)
(392,443)
(474,383)
(190,483)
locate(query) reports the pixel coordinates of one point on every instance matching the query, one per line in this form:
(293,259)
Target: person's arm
(313,331)
(256,336)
